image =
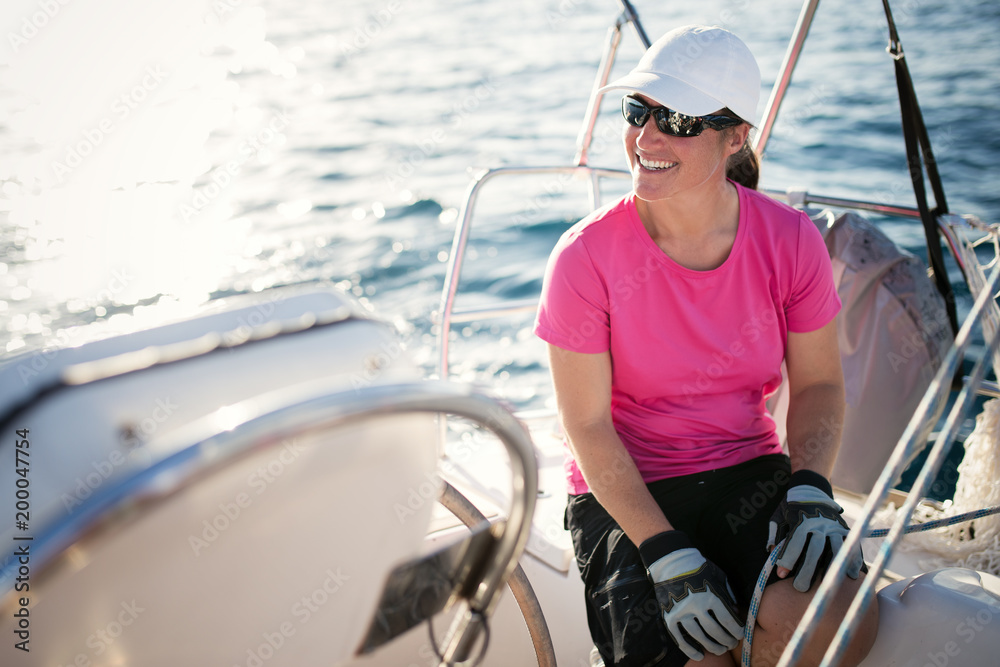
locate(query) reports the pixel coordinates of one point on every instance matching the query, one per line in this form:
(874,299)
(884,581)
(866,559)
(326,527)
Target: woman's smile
(654,165)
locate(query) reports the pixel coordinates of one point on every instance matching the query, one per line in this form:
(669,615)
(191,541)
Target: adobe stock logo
(222,176)
(750,332)
(47,10)
(758,500)
(121,109)
(968,629)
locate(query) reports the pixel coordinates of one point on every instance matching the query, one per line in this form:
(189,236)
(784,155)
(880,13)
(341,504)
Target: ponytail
(743,166)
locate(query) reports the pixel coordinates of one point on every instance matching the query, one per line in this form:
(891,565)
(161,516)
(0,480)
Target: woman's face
(665,166)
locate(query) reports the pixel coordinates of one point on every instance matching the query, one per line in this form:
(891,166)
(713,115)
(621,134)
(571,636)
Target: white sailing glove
(809,520)
(699,609)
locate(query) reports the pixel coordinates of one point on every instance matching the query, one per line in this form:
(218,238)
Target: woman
(668,315)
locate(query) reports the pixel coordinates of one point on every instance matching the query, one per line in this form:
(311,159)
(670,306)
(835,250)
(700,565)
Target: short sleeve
(573,312)
(813,301)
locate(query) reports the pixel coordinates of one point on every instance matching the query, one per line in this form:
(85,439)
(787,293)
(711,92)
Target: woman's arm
(814,425)
(695,600)
(583,395)
(816,399)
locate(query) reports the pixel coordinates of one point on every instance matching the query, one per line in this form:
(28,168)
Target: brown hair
(743,166)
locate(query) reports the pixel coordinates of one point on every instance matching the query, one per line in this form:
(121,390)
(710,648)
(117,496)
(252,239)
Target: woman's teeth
(654,164)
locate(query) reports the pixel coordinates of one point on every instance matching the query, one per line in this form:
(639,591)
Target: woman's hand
(809,521)
(698,605)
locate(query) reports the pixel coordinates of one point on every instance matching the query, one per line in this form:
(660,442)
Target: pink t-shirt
(694,354)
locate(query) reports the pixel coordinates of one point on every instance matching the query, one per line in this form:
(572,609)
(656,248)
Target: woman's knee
(865,631)
(782,607)
(864,635)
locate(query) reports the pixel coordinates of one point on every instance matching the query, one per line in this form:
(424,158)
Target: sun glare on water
(106,172)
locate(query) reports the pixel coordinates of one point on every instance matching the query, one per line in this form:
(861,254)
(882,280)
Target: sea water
(158,155)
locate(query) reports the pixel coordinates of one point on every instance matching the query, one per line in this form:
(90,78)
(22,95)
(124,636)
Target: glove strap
(811,478)
(661,544)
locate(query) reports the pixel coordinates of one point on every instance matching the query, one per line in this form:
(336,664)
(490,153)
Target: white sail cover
(893,333)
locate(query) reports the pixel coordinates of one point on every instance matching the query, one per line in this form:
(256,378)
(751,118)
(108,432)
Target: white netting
(974,544)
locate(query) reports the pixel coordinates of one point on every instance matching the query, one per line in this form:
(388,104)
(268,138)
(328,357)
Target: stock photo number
(22,538)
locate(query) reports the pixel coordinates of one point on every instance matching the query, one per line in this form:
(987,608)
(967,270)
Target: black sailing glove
(698,606)
(809,520)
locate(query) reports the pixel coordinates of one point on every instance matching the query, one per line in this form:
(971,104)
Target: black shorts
(724,512)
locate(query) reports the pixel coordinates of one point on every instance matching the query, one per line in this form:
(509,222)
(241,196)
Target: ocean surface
(157,155)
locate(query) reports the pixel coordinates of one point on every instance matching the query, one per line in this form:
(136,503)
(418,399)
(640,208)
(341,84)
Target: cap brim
(668,92)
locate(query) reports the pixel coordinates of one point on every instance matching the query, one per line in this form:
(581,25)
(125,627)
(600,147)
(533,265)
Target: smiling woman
(204,191)
(727,257)
(685,202)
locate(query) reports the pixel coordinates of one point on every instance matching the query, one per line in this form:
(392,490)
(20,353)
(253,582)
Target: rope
(973,546)
(758,591)
(939,523)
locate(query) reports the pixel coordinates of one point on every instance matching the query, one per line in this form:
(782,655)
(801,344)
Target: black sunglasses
(671,122)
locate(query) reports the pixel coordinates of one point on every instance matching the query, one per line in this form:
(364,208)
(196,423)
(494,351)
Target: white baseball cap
(697,70)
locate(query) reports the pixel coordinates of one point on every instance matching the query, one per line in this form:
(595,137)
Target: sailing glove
(698,605)
(809,520)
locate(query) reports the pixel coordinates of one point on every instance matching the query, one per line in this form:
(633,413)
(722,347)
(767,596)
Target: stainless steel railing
(209,449)
(914,438)
(448,314)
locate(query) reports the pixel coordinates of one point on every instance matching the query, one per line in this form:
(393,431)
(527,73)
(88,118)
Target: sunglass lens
(636,113)
(679,125)
(669,122)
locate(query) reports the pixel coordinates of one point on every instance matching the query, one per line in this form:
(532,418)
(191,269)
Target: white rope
(758,591)
(974,545)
